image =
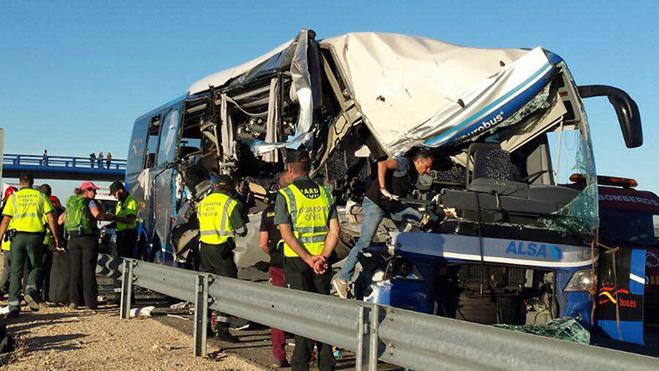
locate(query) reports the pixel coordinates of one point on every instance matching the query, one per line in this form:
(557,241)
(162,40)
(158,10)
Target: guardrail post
(200,315)
(374,346)
(366,357)
(126,288)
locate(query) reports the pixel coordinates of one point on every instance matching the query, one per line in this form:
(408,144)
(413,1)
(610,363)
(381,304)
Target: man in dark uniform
(220,221)
(306,216)
(271,243)
(125,213)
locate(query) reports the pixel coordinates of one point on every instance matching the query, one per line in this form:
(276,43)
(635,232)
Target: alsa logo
(534,249)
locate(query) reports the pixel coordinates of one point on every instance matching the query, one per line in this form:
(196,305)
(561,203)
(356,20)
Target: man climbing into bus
(396,178)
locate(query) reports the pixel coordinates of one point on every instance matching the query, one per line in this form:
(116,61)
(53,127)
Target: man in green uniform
(25,210)
(306,216)
(220,221)
(126,217)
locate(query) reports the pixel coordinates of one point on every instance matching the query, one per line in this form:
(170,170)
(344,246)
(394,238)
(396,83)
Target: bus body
(500,221)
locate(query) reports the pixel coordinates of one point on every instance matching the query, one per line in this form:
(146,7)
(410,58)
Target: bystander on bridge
(63,167)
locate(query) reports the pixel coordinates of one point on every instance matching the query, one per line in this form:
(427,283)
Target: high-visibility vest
(27,208)
(214,213)
(124,208)
(6,244)
(310,211)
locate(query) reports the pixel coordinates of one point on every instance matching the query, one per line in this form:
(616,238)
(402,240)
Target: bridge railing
(63,161)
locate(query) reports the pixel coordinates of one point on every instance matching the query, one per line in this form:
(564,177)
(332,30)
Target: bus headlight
(580,281)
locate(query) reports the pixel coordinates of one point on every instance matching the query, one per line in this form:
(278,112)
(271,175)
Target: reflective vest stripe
(312,229)
(292,204)
(13,199)
(311,239)
(212,232)
(225,217)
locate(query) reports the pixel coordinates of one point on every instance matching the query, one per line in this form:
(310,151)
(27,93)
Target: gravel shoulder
(63,339)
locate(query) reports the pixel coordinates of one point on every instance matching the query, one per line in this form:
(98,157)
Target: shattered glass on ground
(561,328)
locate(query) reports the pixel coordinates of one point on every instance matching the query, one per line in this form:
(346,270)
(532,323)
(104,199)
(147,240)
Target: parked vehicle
(628,289)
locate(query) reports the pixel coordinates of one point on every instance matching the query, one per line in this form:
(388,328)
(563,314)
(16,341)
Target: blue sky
(75,74)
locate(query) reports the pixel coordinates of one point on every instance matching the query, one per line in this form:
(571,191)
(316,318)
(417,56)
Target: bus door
(163,176)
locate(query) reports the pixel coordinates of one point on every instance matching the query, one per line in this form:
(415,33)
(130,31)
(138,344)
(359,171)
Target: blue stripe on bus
(517,102)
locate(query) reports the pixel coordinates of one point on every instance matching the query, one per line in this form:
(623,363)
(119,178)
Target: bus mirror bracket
(626,110)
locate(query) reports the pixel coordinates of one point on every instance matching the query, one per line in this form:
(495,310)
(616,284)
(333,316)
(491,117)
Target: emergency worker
(80,221)
(220,221)
(306,216)
(396,178)
(271,243)
(25,210)
(6,245)
(125,213)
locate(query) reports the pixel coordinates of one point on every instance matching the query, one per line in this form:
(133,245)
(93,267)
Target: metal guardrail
(62,161)
(400,337)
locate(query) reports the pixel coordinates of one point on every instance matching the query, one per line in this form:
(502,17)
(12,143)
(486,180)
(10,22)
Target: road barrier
(374,332)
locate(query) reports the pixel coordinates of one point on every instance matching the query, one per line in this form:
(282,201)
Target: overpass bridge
(63,167)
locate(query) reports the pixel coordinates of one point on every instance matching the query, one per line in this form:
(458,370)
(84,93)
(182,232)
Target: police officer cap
(297,155)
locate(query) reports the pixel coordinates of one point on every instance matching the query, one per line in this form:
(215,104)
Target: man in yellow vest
(126,217)
(25,210)
(220,221)
(306,216)
(125,213)
(6,246)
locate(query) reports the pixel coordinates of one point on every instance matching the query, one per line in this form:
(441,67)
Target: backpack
(77,219)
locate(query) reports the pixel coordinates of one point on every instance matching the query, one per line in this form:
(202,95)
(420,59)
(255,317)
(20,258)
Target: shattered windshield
(572,152)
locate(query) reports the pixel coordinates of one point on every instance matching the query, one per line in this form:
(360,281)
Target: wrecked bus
(501,229)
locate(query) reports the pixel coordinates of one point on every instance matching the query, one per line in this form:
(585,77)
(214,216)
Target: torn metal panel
(273,119)
(226,131)
(301,92)
(220,78)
